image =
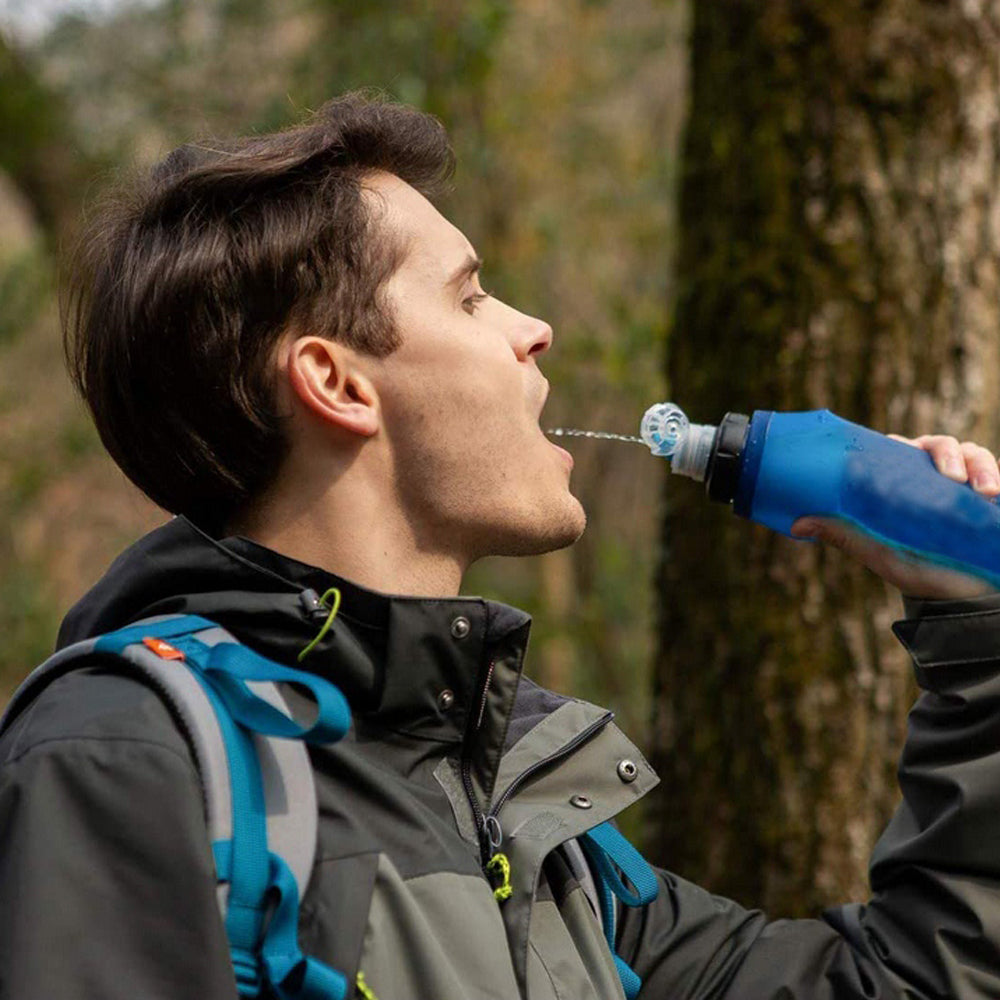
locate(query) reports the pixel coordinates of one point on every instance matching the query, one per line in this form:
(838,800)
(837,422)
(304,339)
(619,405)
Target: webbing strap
(631,983)
(252,870)
(614,851)
(610,853)
(167,628)
(292,974)
(248,865)
(230,667)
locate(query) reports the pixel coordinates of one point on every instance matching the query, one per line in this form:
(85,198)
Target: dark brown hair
(186,278)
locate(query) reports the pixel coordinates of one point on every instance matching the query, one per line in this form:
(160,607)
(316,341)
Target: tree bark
(839,230)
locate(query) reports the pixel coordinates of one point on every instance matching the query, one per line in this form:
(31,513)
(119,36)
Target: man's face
(461,399)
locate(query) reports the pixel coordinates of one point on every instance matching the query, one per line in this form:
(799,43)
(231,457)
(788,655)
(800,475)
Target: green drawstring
(364,989)
(326,625)
(499,863)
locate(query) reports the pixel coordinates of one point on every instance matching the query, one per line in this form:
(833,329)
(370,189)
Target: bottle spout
(669,434)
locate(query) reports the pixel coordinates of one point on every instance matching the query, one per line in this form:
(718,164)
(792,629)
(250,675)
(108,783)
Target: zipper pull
(497,866)
(499,871)
(490,838)
(493,833)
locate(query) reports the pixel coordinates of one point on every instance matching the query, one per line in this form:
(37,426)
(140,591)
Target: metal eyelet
(627,770)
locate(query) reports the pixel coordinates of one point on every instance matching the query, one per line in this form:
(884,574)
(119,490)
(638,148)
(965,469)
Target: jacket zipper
(488,825)
(470,792)
(565,750)
(477,812)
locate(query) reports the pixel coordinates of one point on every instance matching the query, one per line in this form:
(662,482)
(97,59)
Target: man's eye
(470,304)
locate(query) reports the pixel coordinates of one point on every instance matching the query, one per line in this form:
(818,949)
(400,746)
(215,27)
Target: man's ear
(325,378)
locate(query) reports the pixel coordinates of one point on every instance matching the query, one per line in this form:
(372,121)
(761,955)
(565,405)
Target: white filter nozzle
(669,434)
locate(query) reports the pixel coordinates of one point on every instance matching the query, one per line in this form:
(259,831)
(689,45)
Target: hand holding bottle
(921,513)
(963,462)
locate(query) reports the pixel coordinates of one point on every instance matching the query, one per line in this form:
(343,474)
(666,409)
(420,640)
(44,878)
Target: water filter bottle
(777,467)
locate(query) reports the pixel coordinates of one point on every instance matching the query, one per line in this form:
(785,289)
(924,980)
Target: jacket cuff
(960,635)
(922,607)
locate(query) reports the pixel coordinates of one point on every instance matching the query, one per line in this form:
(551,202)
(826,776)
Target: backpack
(260,799)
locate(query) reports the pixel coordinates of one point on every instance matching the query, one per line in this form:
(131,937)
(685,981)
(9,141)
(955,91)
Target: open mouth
(566,456)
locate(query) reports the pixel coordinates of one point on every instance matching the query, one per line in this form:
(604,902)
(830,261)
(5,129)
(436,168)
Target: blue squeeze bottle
(777,467)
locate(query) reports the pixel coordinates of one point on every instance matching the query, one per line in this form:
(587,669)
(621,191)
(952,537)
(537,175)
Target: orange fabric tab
(162,649)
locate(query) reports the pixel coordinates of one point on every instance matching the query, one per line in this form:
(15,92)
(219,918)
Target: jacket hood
(270,603)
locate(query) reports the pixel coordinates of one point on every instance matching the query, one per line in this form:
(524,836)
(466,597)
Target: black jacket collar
(394,657)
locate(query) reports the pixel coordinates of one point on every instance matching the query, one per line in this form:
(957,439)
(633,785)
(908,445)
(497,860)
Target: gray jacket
(106,875)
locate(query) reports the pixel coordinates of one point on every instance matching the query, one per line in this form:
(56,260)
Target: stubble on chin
(549,530)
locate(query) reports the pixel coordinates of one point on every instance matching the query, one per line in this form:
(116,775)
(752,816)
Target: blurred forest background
(824,232)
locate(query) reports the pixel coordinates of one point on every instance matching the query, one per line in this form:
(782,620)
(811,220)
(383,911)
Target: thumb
(808,527)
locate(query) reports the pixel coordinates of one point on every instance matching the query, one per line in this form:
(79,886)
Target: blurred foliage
(564,117)
(37,145)
(25,286)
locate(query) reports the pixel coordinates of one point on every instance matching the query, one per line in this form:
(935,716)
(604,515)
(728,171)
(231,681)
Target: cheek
(460,454)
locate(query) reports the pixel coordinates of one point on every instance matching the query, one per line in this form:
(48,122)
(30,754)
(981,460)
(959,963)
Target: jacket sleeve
(932,926)
(107,888)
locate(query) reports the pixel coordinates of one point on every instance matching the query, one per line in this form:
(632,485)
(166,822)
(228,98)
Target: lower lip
(567,457)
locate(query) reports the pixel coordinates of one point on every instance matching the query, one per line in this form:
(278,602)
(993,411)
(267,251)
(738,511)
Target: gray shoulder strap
(289,792)
(580,867)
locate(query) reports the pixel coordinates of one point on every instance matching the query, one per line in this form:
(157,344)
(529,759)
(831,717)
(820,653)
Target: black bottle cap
(724,463)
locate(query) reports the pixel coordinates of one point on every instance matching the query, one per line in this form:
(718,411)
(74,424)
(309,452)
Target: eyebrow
(466,269)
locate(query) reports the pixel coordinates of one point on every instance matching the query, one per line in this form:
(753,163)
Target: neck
(356,539)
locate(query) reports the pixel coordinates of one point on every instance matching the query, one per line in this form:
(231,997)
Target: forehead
(433,246)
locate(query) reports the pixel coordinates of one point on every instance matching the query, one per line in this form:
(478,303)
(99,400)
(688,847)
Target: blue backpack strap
(256,777)
(615,860)
(260,799)
(289,790)
(256,728)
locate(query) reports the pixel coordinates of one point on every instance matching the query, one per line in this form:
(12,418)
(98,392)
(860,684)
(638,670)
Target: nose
(530,337)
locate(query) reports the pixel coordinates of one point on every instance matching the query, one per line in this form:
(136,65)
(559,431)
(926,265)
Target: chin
(547,530)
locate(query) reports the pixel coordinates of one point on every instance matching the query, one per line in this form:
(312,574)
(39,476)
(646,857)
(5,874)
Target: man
(283,342)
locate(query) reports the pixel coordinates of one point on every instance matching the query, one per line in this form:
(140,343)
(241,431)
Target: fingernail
(984,481)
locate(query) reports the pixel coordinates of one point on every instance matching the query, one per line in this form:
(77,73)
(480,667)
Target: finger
(910,573)
(853,543)
(946,453)
(832,532)
(806,527)
(981,466)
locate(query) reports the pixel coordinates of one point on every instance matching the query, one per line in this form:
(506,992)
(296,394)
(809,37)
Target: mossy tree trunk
(840,229)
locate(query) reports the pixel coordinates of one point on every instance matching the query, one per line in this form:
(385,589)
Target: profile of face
(460,399)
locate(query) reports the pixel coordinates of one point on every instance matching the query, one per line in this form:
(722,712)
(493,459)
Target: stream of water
(603,435)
